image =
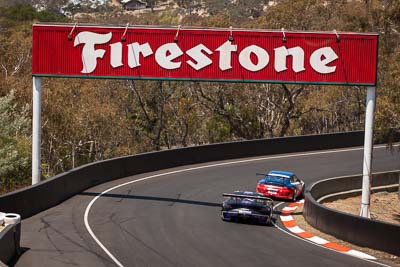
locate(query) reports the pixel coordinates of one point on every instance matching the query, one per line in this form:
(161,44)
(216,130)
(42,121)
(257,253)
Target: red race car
(280,184)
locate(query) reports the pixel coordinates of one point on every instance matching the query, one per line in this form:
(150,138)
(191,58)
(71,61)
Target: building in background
(135,5)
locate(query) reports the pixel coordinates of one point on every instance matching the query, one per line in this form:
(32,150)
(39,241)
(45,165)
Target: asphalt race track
(174,219)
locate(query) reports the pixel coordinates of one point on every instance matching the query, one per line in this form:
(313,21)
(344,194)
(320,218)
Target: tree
(7,3)
(238,11)
(83,121)
(251,111)
(14,144)
(385,18)
(53,6)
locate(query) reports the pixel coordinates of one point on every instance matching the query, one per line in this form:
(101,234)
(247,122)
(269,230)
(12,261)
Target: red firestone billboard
(229,55)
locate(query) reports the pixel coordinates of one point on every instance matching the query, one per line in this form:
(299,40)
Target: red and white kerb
(291,225)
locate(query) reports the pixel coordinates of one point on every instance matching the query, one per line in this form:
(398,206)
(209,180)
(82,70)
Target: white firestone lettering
(261,54)
(225,52)
(319,64)
(116,55)
(281,54)
(166,53)
(89,54)
(134,51)
(201,59)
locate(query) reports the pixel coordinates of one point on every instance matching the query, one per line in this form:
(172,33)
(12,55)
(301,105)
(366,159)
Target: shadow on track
(15,259)
(171,200)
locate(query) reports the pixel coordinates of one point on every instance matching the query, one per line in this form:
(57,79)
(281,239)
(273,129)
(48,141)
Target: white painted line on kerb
(289,208)
(318,240)
(360,254)
(86,215)
(287,218)
(296,230)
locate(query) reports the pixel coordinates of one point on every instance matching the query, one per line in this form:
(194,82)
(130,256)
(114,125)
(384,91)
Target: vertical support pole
(36,128)
(368,144)
(398,192)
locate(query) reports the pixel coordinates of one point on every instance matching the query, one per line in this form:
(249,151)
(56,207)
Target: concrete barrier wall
(354,229)
(9,242)
(34,199)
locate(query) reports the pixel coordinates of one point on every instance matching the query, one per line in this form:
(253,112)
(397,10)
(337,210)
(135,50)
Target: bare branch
(5,69)
(132,86)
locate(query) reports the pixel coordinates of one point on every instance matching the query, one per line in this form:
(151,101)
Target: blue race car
(247,206)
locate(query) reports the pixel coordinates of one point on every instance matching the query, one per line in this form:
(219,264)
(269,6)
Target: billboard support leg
(368,145)
(36,128)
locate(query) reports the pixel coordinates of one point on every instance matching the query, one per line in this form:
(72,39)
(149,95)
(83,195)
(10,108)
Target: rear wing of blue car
(242,195)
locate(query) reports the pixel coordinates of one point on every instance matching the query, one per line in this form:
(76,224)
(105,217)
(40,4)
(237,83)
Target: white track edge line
(86,215)
(89,229)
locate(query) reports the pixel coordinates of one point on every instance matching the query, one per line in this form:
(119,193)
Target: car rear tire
(294,198)
(302,193)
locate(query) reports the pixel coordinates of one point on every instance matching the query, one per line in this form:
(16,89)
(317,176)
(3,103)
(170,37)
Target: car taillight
(285,191)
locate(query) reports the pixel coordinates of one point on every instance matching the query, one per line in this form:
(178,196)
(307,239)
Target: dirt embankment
(384,207)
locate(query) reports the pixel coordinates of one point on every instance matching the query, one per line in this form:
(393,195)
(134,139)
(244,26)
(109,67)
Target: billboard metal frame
(285,35)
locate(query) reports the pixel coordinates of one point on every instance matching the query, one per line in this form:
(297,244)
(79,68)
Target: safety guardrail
(354,229)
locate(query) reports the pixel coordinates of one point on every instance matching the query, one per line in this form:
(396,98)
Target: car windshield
(274,179)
